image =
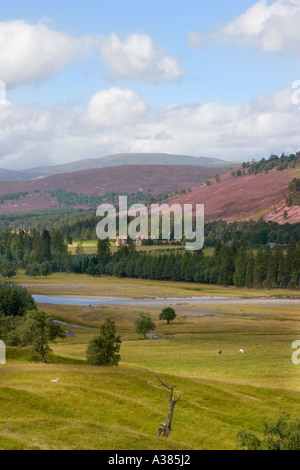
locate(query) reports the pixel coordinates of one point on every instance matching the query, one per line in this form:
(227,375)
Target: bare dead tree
(166,427)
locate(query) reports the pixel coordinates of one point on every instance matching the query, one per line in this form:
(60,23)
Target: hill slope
(155,179)
(246,197)
(11,175)
(119,160)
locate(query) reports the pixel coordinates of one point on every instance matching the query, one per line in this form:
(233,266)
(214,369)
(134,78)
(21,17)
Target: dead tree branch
(166,427)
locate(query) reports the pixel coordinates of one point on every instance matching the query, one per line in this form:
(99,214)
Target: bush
(281,434)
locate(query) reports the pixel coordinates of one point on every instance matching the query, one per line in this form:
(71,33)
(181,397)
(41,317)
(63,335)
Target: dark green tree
(45,269)
(272,271)
(8,269)
(296,266)
(15,300)
(8,328)
(239,277)
(45,247)
(32,269)
(144,324)
(226,266)
(59,250)
(103,349)
(103,251)
(168,314)
(38,330)
(249,270)
(260,268)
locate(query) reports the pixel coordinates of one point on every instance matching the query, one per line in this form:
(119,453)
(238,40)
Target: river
(81,301)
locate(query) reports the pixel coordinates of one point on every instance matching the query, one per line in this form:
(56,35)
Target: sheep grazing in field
(54,380)
(220,352)
(242,351)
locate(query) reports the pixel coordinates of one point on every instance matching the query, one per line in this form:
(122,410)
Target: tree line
(231,263)
(274,161)
(12,196)
(235,265)
(71,198)
(81,225)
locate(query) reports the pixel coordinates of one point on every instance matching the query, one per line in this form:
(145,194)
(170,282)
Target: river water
(49,299)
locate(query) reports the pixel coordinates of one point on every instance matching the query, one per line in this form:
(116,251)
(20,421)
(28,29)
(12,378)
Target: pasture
(122,407)
(62,284)
(90,247)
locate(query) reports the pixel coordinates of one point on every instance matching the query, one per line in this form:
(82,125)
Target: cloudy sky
(84,79)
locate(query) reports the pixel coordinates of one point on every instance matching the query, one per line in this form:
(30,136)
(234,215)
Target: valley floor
(122,407)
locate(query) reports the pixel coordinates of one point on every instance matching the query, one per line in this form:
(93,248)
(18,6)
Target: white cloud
(115,107)
(195,39)
(34,52)
(137,57)
(31,53)
(118,121)
(273,28)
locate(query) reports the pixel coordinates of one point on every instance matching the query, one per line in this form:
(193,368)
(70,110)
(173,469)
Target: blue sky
(89,78)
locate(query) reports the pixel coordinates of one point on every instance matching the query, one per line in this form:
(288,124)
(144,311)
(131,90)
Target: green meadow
(90,247)
(62,284)
(122,407)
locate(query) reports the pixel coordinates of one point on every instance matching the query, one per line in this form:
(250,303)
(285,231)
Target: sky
(86,79)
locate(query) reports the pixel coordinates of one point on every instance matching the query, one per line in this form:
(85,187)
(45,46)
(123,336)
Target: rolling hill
(152,179)
(233,198)
(113,160)
(245,197)
(11,175)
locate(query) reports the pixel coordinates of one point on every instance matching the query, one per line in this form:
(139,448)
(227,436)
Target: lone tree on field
(103,349)
(38,330)
(144,324)
(166,427)
(168,314)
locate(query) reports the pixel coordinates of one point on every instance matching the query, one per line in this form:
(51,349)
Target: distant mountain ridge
(11,174)
(122,159)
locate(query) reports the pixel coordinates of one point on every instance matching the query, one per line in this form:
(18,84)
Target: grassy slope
(121,407)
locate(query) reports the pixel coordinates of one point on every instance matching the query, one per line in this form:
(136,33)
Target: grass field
(122,407)
(90,247)
(62,284)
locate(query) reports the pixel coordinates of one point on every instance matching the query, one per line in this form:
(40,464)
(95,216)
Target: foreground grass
(122,407)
